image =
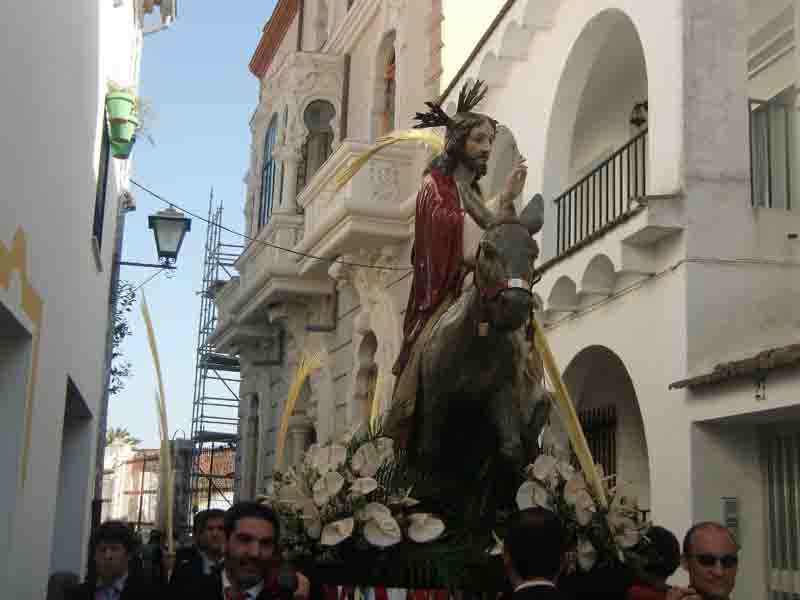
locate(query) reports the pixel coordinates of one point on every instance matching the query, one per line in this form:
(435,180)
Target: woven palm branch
(567,411)
(430,138)
(307,365)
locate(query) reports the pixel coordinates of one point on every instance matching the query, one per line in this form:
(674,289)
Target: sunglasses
(726,561)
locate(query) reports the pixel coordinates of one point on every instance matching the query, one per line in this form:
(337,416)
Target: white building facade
(665,140)
(58,216)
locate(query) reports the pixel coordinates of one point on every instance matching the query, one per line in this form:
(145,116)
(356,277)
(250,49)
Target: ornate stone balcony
(268,276)
(374,209)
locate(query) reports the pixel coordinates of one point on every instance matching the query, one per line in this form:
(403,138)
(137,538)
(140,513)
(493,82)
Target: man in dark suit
(533,552)
(205,555)
(112,546)
(252,567)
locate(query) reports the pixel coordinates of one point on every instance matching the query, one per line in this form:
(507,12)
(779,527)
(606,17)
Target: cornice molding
(352,26)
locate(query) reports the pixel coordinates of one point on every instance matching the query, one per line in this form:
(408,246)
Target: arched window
(384,110)
(318,117)
(390,88)
(268,175)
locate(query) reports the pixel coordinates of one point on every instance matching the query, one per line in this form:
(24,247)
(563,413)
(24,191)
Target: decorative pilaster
(289,155)
(298,438)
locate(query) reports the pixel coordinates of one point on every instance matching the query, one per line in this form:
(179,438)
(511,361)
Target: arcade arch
(604,78)
(606,401)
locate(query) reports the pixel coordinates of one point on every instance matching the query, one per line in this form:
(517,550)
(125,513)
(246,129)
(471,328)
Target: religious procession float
(420,499)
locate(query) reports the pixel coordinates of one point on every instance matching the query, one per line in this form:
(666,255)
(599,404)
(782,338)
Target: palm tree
(120,435)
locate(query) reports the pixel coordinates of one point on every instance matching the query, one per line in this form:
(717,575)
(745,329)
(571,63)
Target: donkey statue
(479,411)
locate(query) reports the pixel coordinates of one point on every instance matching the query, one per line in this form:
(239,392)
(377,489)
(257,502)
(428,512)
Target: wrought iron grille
(603,195)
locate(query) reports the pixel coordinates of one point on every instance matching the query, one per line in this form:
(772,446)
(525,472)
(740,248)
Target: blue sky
(202,94)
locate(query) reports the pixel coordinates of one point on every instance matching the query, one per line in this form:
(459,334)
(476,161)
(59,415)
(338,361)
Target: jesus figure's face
(478,147)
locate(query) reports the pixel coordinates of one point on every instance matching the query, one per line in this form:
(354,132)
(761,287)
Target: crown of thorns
(468,98)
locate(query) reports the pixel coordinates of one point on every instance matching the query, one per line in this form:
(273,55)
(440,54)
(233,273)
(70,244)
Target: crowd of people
(235,555)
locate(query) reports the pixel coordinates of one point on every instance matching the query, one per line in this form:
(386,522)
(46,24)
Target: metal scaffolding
(215,408)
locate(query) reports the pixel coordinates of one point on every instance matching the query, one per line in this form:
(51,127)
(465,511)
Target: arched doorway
(597,147)
(606,402)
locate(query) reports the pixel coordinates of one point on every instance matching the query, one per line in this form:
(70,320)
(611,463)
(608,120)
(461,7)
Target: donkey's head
(504,267)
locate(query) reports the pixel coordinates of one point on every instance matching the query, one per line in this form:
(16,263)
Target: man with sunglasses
(711,557)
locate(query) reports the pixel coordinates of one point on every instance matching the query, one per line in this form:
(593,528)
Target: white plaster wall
(726,463)
(559,59)
(645,329)
(49,172)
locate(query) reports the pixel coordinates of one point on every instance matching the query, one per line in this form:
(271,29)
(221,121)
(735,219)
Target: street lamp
(169,228)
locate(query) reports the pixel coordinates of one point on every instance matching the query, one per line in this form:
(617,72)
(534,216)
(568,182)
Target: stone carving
(384,179)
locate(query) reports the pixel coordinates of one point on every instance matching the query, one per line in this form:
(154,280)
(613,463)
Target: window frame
(268,172)
(101,192)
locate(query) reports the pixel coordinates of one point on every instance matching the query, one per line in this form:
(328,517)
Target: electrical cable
(265,243)
(148,280)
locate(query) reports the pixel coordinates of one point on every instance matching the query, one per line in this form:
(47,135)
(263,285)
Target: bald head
(706,526)
(711,558)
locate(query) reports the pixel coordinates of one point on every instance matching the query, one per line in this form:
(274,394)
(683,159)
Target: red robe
(437,256)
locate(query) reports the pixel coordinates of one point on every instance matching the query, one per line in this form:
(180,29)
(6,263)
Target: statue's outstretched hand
(516,180)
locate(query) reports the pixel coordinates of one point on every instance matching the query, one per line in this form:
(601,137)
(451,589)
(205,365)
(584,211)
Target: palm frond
(470,97)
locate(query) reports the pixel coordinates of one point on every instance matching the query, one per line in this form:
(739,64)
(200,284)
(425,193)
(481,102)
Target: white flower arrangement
(597,535)
(335,495)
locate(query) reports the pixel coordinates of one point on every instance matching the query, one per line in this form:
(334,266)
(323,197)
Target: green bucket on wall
(122,150)
(120,106)
(122,132)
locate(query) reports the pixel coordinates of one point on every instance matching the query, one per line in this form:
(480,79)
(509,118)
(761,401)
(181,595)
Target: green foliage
(121,434)
(121,368)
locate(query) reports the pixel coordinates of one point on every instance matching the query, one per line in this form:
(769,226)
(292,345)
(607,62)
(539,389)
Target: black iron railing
(603,195)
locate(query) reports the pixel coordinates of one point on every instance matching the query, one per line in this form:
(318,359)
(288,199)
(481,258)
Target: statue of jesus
(449,190)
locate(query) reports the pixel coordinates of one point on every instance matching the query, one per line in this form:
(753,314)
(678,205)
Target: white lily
(327,486)
(373,510)
(566,470)
(337,532)
(383,531)
(424,527)
(587,555)
(370,456)
(326,458)
(292,496)
(626,533)
(574,485)
(544,467)
(533,493)
(363,486)
(312,520)
(584,507)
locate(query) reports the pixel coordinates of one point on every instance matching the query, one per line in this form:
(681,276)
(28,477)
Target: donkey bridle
(511,283)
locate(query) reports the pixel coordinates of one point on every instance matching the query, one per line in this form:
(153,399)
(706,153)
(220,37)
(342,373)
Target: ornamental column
(289,154)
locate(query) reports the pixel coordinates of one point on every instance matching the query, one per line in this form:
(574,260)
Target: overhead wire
(265,243)
(149,279)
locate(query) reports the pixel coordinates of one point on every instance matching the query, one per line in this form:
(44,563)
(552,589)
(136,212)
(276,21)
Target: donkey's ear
(532,216)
